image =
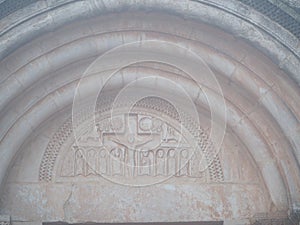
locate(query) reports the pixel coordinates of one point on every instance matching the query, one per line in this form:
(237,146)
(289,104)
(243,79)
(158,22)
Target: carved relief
(184,163)
(136,144)
(115,162)
(142,145)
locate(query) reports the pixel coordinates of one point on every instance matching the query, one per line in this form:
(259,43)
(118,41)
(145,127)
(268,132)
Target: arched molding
(257,146)
(51,15)
(265,116)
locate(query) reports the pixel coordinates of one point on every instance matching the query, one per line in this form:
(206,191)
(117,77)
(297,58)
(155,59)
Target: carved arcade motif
(144,137)
(133,145)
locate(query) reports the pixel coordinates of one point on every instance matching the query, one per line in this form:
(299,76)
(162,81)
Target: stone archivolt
(261,91)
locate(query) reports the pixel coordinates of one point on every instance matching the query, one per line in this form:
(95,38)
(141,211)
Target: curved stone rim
(11,6)
(47,16)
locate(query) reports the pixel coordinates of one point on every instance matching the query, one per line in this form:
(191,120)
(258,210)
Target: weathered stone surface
(4,219)
(212,134)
